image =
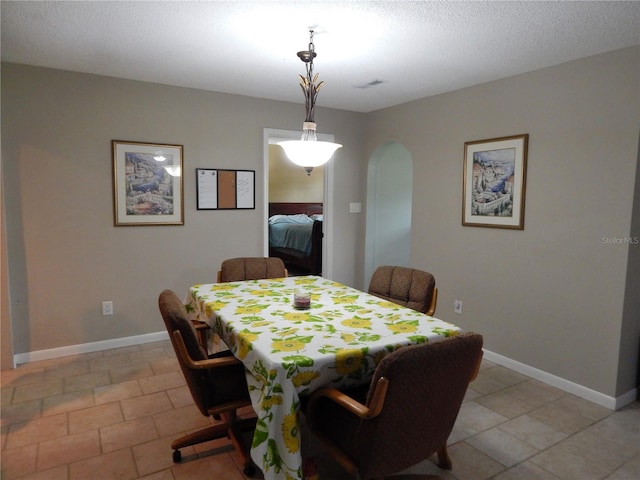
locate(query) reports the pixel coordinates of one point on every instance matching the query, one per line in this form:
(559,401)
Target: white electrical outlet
(457,306)
(107,308)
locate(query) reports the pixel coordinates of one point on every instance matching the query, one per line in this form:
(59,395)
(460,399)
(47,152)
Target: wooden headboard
(277,208)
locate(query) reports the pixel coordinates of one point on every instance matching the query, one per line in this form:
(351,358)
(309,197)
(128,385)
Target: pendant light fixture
(309,152)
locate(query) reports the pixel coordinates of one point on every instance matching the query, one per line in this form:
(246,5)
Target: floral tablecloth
(289,352)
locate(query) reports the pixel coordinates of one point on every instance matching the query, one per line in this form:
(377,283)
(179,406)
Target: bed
(295,236)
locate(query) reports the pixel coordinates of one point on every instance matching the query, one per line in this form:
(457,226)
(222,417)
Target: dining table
(295,335)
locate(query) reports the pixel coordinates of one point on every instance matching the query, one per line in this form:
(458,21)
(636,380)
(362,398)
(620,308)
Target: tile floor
(113,414)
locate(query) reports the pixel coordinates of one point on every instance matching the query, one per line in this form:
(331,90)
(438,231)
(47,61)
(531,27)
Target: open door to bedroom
(295,223)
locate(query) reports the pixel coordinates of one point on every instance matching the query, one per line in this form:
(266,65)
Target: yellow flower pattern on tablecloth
(296,316)
(348,361)
(402,327)
(251,308)
(262,293)
(357,322)
(345,299)
(386,304)
(211,307)
(287,345)
(244,343)
(289,353)
(347,337)
(304,378)
(290,432)
(270,401)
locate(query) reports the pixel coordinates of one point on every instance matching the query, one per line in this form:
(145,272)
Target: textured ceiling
(371,54)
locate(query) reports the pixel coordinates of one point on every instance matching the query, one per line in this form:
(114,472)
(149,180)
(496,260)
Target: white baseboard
(612,403)
(27,357)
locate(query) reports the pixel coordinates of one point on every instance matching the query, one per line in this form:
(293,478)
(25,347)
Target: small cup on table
(301,300)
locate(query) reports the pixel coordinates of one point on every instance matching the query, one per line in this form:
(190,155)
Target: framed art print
(147,184)
(494,182)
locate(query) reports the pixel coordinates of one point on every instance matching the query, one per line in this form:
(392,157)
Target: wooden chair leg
(234,432)
(203,435)
(444,461)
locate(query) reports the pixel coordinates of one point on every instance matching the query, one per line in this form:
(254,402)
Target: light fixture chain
(312,47)
(308,84)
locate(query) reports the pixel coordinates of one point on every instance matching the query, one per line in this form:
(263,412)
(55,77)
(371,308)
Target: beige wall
(290,183)
(65,255)
(553,296)
(550,296)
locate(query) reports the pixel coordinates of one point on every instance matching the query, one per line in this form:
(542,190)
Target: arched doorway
(389,200)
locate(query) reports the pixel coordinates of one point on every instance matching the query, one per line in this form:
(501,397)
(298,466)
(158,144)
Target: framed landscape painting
(147,184)
(494,182)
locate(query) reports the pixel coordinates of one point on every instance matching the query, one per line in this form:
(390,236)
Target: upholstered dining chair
(251,268)
(409,287)
(217,383)
(405,415)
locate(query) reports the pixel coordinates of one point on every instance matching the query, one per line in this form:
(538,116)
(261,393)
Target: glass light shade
(309,153)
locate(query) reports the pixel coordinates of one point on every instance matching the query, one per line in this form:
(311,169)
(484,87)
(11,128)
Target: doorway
(389,203)
(273,136)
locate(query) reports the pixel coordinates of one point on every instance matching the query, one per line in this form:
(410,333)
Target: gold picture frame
(494,182)
(147,184)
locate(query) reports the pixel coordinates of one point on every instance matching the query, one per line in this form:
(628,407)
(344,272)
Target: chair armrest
(201,364)
(431,309)
(200,325)
(477,369)
(350,404)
